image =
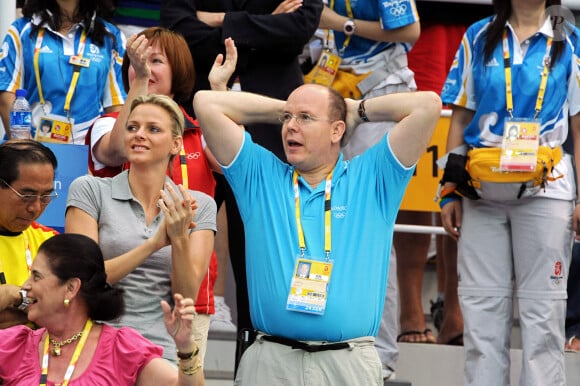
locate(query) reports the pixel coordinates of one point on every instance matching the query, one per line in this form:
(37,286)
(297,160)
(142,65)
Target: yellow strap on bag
(346,83)
(483,166)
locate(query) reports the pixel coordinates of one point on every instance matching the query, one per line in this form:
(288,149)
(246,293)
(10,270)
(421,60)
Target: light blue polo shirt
(365,198)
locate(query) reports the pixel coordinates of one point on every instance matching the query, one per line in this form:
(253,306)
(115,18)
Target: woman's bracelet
(189,366)
(449,197)
(188,355)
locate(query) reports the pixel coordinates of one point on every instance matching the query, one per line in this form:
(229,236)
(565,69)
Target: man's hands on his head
(416,114)
(220,113)
(352,119)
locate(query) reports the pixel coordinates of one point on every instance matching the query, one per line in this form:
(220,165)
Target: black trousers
(236,243)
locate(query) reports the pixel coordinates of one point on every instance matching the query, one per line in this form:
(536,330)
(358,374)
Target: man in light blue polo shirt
(318,209)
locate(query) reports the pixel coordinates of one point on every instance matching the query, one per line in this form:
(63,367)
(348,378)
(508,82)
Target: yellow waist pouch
(483,166)
(345,82)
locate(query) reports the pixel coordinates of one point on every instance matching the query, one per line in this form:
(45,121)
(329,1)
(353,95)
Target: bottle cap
(21,93)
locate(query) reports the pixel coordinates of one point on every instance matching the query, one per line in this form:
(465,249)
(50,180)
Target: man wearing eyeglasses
(27,171)
(337,216)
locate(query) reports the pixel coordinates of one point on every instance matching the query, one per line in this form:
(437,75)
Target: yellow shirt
(14,263)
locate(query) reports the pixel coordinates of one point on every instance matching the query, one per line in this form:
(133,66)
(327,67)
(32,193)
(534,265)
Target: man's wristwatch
(349,27)
(24,302)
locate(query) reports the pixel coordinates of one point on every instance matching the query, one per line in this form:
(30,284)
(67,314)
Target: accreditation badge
(519,150)
(309,286)
(325,69)
(54,129)
(38,110)
(77,60)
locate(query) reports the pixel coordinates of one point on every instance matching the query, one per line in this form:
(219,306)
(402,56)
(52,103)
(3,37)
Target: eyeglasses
(302,119)
(31,198)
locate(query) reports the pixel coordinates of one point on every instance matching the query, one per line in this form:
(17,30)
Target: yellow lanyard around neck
(508,76)
(76,70)
(73,361)
(350,15)
(327,213)
(183,166)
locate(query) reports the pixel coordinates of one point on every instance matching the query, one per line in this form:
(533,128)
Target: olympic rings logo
(398,10)
(192,156)
(396,7)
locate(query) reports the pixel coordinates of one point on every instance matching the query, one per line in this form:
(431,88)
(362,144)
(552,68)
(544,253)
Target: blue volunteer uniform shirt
(391,13)
(99,86)
(480,86)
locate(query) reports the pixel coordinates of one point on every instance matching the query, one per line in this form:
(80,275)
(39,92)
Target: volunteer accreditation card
(519,150)
(309,286)
(325,69)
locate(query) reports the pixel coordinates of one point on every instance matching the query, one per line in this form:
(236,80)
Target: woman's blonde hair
(167,104)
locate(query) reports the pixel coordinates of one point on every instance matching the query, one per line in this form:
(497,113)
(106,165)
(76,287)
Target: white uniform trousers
(518,248)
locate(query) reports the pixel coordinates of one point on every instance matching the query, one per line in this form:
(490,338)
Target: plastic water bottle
(20,117)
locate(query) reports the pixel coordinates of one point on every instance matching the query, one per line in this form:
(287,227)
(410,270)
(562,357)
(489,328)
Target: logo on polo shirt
(95,53)
(492,63)
(339,211)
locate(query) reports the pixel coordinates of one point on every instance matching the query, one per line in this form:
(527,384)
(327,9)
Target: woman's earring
(66,302)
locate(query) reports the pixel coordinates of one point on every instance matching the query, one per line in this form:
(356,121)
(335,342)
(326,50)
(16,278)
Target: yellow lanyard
(301,238)
(350,15)
(183,166)
(76,70)
(27,253)
(73,360)
(508,76)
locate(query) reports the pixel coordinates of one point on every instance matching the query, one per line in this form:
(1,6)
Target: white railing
(424,229)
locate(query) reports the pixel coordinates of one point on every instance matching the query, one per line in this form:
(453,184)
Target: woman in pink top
(65,295)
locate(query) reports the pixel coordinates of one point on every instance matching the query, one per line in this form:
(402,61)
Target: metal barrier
(420,229)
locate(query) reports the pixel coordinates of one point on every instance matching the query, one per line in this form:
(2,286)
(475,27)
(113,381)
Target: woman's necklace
(55,351)
(74,359)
